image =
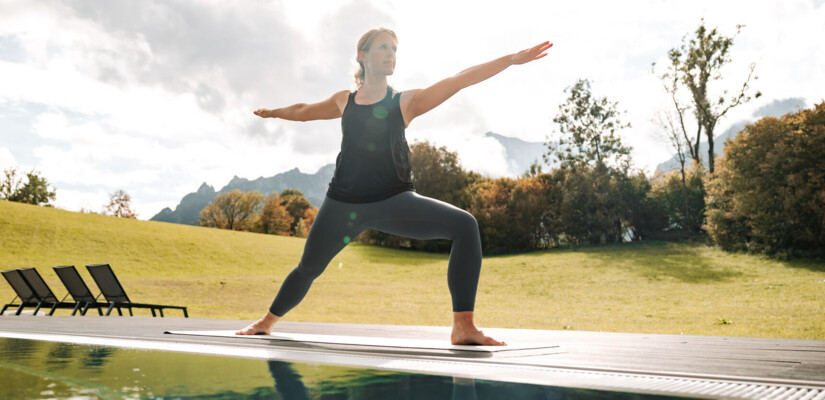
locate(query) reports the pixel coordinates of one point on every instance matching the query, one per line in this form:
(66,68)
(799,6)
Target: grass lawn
(644,288)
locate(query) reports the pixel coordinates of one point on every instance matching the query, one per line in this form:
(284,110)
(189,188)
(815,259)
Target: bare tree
(695,64)
(675,136)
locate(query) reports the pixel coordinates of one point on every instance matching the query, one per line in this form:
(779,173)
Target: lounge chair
(43,292)
(24,292)
(112,290)
(77,288)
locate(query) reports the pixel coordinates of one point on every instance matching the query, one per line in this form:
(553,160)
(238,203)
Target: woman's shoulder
(406,95)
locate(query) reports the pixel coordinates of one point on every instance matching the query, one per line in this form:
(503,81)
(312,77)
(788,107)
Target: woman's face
(380,58)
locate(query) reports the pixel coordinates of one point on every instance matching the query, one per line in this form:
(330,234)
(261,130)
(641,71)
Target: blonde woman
(371,187)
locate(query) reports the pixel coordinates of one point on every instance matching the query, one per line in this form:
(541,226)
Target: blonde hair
(364,45)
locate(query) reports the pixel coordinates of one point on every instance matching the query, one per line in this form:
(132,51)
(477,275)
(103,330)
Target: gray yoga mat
(368,341)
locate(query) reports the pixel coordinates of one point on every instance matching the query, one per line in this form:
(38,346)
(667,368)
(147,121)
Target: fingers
(542,47)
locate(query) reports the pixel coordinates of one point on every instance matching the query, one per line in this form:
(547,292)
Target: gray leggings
(407,214)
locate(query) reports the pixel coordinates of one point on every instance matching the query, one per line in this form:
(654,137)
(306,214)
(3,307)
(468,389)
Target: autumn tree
(489,207)
(234,211)
(296,205)
(695,66)
(768,195)
(120,205)
(532,209)
(274,218)
(34,189)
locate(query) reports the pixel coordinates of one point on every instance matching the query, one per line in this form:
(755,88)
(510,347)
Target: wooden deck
(570,357)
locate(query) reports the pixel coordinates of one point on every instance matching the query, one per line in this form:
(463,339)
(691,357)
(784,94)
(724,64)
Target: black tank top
(374,162)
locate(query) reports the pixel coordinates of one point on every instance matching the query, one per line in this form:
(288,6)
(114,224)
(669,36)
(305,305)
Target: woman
(371,186)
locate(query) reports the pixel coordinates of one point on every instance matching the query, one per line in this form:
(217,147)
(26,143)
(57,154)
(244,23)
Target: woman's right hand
(263,112)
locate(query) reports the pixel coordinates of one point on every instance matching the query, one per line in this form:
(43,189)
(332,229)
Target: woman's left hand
(531,54)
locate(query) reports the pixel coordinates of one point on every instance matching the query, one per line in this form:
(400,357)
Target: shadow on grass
(657,260)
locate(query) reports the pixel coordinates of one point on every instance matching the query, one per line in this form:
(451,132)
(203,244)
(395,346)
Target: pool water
(32,369)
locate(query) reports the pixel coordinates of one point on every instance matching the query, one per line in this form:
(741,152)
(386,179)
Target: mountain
(520,155)
(189,209)
(314,187)
(775,109)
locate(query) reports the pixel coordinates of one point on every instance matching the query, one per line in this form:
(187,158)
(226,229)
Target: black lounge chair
(43,292)
(113,291)
(77,288)
(24,292)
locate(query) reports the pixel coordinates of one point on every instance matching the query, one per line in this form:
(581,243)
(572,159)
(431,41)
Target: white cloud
(156,97)
(75,200)
(6,159)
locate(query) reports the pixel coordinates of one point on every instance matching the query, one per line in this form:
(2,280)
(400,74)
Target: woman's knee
(466,223)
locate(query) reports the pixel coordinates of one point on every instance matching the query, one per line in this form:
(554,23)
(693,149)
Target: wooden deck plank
(756,358)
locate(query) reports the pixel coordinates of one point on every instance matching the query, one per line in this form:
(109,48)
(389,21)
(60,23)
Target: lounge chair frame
(43,292)
(22,290)
(113,291)
(78,289)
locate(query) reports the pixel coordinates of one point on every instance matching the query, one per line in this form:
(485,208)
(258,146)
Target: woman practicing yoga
(371,187)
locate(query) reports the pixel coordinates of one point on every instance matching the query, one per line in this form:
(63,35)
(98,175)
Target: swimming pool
(34,369)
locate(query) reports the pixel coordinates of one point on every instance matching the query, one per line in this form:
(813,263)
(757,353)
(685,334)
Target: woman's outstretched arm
(330,108)
(420,101)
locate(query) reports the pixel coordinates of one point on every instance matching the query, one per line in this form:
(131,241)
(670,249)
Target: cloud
(157,96)
(6,159)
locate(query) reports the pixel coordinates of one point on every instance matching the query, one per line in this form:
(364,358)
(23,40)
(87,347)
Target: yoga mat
(368,341)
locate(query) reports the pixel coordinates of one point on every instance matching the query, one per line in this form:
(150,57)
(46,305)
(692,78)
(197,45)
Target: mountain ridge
(520,155)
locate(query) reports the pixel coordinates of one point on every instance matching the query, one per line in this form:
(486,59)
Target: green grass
(645,288)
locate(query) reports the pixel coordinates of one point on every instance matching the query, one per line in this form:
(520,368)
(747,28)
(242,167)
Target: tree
(309,217)
(529,207)
(301,229)
(35,190)
(681,199)
(677,137)
(695,65)
(120,205)
(436,173)
(11,184)
(234,210)
(274,218)
(768,195)
(589,132)
(296,205)
(489,207)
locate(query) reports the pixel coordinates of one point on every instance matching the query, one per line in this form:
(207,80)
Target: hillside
(653,287)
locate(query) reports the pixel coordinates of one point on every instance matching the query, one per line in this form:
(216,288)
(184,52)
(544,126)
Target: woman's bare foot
(263,326)
(465,332)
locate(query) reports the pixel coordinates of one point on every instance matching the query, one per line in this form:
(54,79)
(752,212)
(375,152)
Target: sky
(156,97)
